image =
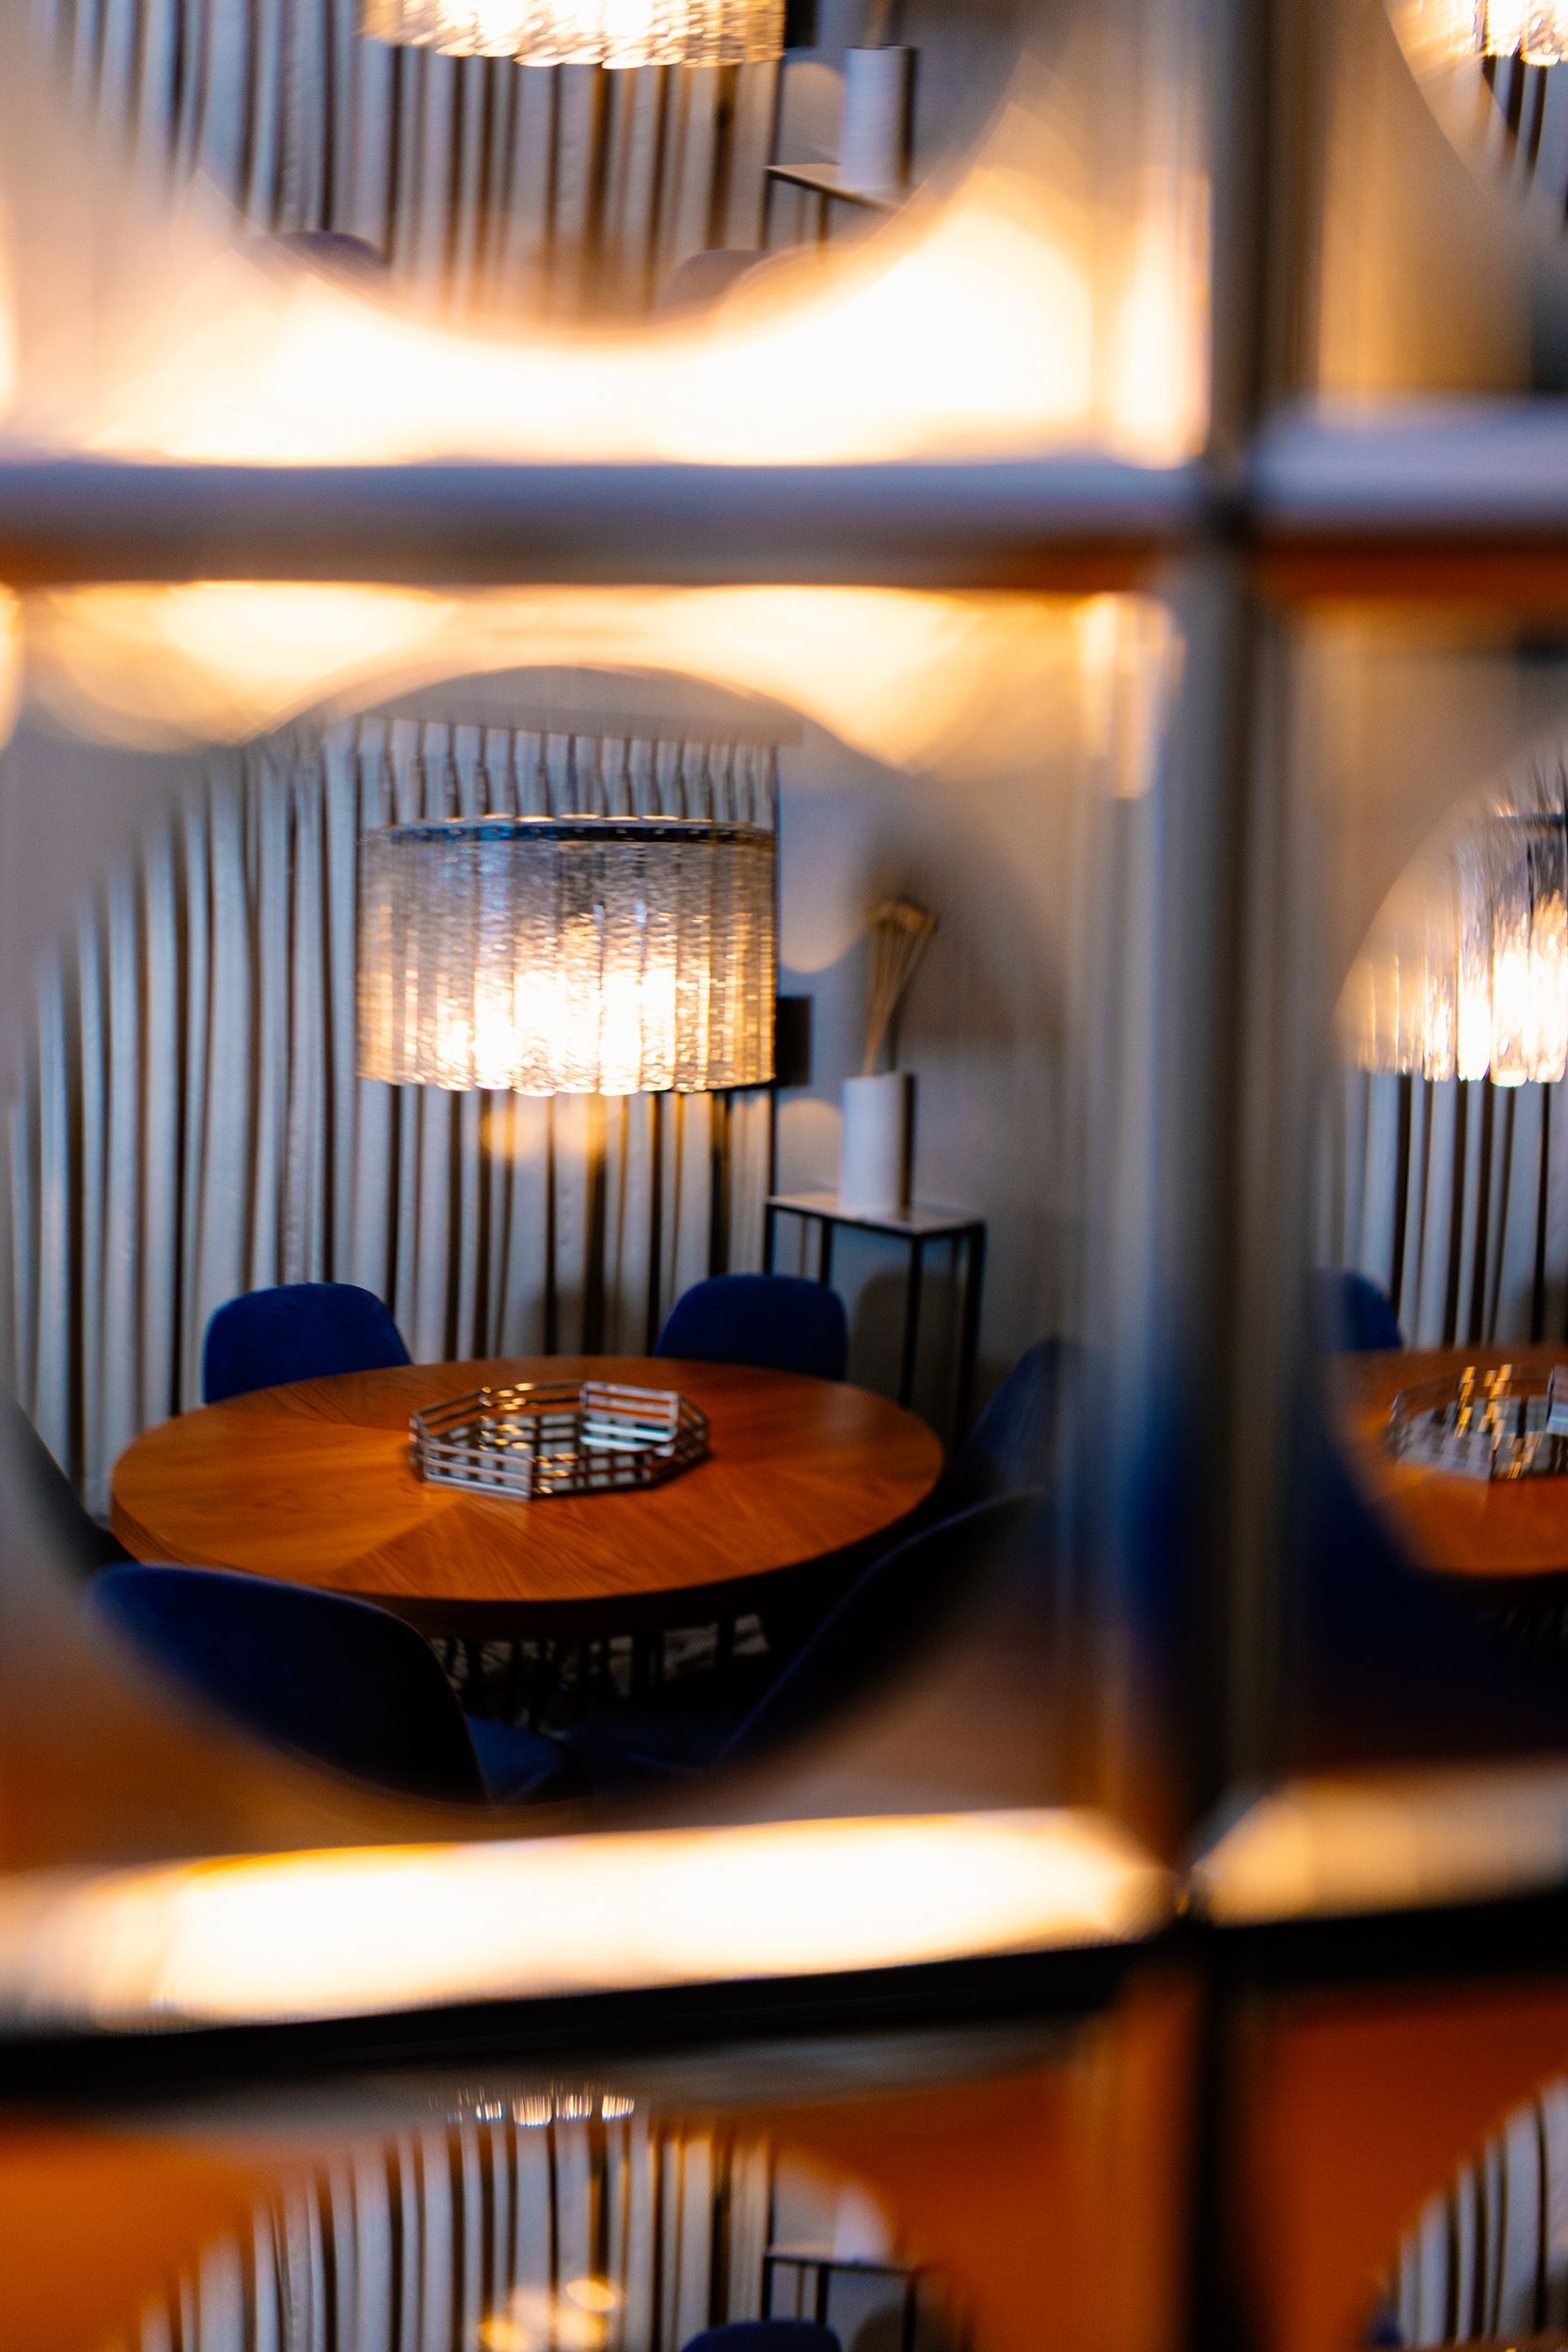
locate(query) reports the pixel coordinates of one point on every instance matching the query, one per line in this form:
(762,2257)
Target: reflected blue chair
(766,2335)
(296,1331)
(1355,1315)
(780,1321)
(340,1681)
(1014,1446)
(886,1611)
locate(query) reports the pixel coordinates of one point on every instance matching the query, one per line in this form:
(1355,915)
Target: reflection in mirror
(509,162)
(1442,1290)
(250,234)
(1486,2262)
(561,2217)
(548,1208)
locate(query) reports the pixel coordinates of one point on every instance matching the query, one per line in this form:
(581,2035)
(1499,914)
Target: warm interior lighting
(962,685)
(1468,974)
(584,32)
(567,956)
(1536,30)
(1394,1841)
(340,1933)
(1055,295)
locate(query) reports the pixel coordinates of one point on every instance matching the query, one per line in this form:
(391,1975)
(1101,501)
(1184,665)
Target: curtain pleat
(481,181)
(1489,2257)
(192,1126)
(1455,1196)
(422,2243)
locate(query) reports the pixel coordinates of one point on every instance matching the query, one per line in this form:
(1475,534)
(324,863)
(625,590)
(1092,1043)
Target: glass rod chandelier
(580,955)
(1536,30)
(1467,973)
(584,32)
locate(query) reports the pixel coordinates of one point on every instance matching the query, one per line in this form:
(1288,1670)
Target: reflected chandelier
(584,32)
(1468,976)
(1536,30)
(579,955)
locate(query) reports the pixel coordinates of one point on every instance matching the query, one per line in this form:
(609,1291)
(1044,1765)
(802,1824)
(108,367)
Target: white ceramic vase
(872,145)
(873,1166)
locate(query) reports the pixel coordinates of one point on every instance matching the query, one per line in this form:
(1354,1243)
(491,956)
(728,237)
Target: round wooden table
(311,1483)
(1499,1530)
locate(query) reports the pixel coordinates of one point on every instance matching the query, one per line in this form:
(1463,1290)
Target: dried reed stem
(900,933)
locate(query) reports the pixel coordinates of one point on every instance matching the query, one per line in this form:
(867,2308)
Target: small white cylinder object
(874,1166)
(872,145)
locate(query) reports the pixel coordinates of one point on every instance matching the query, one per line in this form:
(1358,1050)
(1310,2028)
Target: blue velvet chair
(766,2335)
(1354,1315)
(296,1331)
(340,1681)
(1014,1445)
(898,1599)
(777,1320)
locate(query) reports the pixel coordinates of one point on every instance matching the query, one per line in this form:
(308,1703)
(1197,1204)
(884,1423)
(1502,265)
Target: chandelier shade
(1467,974)
(580,955)
(1535,30)
(584,32)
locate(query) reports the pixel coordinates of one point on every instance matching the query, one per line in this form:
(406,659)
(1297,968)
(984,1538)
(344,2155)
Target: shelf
(826,180)
(914,1224)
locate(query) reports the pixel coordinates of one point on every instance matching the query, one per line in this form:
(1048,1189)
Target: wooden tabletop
(311,1483)
(1463,1526)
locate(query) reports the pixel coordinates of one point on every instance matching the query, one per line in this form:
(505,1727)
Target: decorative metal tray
(1484,1425)
(558,1438)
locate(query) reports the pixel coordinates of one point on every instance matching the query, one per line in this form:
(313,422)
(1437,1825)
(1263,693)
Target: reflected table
(1499,1529)
(312,1484)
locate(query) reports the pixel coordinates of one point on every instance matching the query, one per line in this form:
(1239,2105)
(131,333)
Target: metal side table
(918,1230)
(814,2272)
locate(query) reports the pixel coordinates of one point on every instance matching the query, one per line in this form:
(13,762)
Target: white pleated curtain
(192,1125)
(445,2240)
(1455,1196)
(481,182)
(1488,2259)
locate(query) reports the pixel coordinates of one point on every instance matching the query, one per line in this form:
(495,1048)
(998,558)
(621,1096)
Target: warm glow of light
(954,683)
(334,1933)
(1537,30)
(1435,31)
(586,955)
(1026,310)
(584,32)
(533,2319)
(1465,974)
(978,336)
(1399,1840)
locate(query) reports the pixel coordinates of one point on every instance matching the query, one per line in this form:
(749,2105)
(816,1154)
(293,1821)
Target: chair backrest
(1013,1447)
(1355,1315)
(777,1320)
(296,1331)
(766,2335)
(881,1617)
(337,1681)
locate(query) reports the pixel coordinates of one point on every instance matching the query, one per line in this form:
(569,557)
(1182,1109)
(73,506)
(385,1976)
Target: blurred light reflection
(331,1934)
(964,683)
(1404,1840)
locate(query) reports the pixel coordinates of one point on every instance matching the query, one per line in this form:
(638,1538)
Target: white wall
(981,1030)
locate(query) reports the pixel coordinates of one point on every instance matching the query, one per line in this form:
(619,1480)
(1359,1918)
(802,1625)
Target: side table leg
(825,1250)
(912,1287)
(969,1345)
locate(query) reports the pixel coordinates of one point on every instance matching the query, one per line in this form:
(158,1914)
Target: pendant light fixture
(584,32)
(1468,974)
(580,955)
(1535,30)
